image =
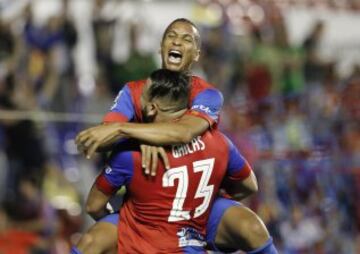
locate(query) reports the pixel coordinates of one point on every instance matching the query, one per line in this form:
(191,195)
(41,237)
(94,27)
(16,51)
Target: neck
(171,116)
(179,113)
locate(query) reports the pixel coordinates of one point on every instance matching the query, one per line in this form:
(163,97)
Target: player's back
(168,213)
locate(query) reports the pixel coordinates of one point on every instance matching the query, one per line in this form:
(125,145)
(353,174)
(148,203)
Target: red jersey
(205,102)
(17,242)
(168,213)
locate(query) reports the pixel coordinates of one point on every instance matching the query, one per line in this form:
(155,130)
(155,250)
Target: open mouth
(174,56)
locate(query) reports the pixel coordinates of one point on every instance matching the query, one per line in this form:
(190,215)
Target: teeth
(175,52)
(175,56)
(174,60)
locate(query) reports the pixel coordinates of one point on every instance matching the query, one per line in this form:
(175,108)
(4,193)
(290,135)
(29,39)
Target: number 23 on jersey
(203,189)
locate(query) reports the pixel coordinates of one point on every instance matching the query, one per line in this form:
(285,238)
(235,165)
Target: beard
(146,117)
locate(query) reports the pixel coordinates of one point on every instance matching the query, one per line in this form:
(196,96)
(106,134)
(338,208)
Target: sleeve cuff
(104,186)
(112,117)
(241,174)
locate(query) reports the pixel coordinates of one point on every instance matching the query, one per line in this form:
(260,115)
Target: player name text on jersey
(195,145)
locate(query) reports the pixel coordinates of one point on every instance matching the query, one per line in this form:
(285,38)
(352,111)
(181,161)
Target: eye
(170,35)
(188,39)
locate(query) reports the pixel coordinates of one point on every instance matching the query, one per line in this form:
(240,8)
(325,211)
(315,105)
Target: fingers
(88,141)
(147,159)
(154,160)
(83,136)
(91,150)
(83,140)
(78,138)
(164,157)
(85,143)
(150,159)
(143,159)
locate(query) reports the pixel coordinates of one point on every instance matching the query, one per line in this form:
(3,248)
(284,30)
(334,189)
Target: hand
(91,139)
(150,157)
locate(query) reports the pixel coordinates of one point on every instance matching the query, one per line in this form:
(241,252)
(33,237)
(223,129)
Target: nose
(177,41)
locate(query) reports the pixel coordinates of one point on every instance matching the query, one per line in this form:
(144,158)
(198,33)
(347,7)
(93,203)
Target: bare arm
(241,189)
(96,203)
(182,131)
(158,134)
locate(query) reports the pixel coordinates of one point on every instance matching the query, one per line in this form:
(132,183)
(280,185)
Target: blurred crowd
(287,110)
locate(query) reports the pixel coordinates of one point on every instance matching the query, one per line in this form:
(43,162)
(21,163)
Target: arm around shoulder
(181,131)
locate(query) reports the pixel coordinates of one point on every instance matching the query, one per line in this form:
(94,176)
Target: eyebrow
(184,34)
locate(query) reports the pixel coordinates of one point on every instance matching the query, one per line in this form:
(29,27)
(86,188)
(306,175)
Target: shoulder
(136,85)
(130,89)
(200,87)
(221,140)
(217,138)
(229,144)
(235,160)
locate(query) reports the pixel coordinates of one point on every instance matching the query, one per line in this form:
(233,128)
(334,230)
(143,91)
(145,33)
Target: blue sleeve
(120,169)
(237,165)
(123,103)
(208,102)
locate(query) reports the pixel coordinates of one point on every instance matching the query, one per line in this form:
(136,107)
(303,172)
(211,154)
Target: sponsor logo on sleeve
(116,100)
(206,110)
(108,170)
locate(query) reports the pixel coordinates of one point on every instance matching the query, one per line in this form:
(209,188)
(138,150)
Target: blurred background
(290,74)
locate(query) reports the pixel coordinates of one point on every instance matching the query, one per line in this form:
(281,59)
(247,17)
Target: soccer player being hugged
(236,227)
(171,216)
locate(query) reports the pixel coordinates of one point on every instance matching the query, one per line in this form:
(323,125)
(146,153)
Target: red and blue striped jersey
(205,102)
(168,213)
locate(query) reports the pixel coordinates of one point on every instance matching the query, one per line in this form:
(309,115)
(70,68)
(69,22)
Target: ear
(197,55)
(152,109)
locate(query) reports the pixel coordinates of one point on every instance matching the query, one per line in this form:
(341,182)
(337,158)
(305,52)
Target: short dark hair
(171,85)
(184,20)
